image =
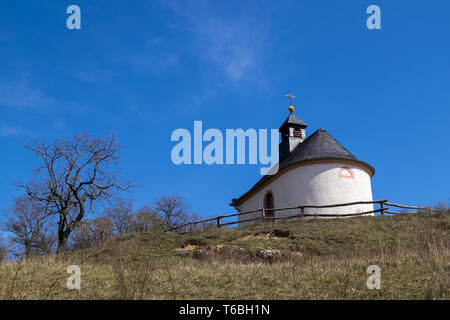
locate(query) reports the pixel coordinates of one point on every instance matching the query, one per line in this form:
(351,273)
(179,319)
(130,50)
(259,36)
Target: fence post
(382,207)
(302,210)
(218,222)
(263,213)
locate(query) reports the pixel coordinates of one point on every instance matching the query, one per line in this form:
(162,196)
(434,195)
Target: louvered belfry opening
(292,133)
(298,133)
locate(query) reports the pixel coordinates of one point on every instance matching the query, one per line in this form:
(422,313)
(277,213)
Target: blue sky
(142,69)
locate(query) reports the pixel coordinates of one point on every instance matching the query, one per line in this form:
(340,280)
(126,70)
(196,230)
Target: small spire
(290,96)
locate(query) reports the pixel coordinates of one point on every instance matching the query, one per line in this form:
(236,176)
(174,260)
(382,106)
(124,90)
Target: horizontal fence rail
(408,207)
(384,208)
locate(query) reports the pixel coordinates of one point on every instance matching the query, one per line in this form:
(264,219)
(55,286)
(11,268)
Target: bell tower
(292,131)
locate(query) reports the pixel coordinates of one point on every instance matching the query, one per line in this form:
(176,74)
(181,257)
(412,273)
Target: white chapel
(314,170)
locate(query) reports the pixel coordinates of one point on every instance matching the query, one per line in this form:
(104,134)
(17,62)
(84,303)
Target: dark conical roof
(292,120)
(318,146)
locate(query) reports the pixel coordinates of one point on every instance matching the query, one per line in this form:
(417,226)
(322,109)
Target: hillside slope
(315,259)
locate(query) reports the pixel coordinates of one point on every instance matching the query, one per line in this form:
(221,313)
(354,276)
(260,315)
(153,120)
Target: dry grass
(323,259)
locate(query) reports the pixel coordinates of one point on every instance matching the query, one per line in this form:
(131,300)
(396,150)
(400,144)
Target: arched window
(269,204)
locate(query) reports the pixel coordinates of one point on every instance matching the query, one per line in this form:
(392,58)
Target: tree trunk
(62,241)
(27,252)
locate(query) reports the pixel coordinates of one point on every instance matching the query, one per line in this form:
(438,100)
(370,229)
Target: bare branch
(75,174)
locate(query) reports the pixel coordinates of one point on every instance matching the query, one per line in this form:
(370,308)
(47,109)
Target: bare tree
(3,249)
(120,214)
(172,209)
(201,226)
(29,222)
(147,219)
(75,174)
(91,233)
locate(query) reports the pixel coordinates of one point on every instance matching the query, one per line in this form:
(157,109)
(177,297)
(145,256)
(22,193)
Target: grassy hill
(315,259)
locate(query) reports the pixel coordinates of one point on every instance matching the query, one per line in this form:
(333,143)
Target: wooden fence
(384,209)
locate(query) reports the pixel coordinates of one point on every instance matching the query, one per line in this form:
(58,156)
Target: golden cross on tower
(290,96)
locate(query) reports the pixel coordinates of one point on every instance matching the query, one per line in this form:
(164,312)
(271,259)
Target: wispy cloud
(152,63)
(6,34)
(12,131)
(27,110)
(230,45)
(236,44)
(155,56)
(19,93)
